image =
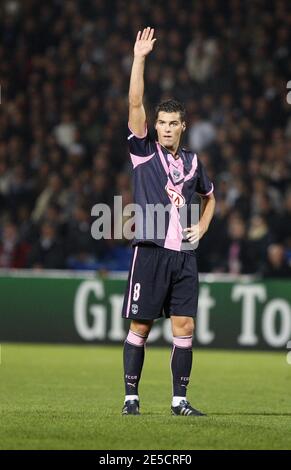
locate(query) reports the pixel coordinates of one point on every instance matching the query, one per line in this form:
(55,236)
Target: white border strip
(67,274)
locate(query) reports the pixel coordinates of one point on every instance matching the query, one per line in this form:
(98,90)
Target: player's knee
(182,326)
(142,328)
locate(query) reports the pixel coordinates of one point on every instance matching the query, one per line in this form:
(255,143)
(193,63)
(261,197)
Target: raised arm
(143,46)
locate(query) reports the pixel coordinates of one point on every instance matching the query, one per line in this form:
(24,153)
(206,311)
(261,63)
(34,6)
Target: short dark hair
(171,106)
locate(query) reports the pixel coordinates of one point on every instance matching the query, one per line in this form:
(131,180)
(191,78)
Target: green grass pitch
(70,397)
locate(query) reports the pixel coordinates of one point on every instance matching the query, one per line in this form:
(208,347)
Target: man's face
(169,128)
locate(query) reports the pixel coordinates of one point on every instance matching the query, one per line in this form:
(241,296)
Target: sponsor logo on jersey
(177,198)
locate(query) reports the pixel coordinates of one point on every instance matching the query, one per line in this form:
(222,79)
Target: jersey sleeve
(204,185)
(139,146)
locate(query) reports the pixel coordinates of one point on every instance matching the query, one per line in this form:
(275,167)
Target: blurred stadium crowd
(64,72)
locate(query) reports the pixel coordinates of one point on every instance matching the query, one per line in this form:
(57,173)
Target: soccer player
(163,277)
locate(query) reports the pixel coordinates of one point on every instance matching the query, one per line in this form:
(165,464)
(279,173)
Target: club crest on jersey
(176,174)
(175,197)
(134,309)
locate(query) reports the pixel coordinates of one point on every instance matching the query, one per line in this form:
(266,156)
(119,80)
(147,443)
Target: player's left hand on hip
(195,232)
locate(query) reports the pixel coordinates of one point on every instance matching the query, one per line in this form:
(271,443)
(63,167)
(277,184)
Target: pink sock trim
(183,341)
(135,338)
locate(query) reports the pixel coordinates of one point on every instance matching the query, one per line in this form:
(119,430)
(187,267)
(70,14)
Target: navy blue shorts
(160,282)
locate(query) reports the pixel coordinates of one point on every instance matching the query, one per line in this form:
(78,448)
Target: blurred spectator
(259,238)
(237,250)
(81,249)
(200,56)
(65,131)
(283,223)
(48,252)
(276,266)
(13,251)
(53,192)
(201,133)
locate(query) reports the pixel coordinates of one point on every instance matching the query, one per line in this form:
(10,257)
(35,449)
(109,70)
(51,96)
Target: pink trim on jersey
(138,136)
(207,194)
(193,169)
(130,283)
(178,164)
(174,235)
(136,339)
(163,160)
(137,160)
(181,342)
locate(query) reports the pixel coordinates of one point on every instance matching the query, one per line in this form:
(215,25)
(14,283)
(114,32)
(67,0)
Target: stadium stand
(64,74)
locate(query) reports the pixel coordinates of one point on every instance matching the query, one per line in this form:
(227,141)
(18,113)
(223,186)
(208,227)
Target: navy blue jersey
(160,179)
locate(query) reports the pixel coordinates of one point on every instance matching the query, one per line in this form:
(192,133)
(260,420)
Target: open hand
(144,42)
(195,232)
